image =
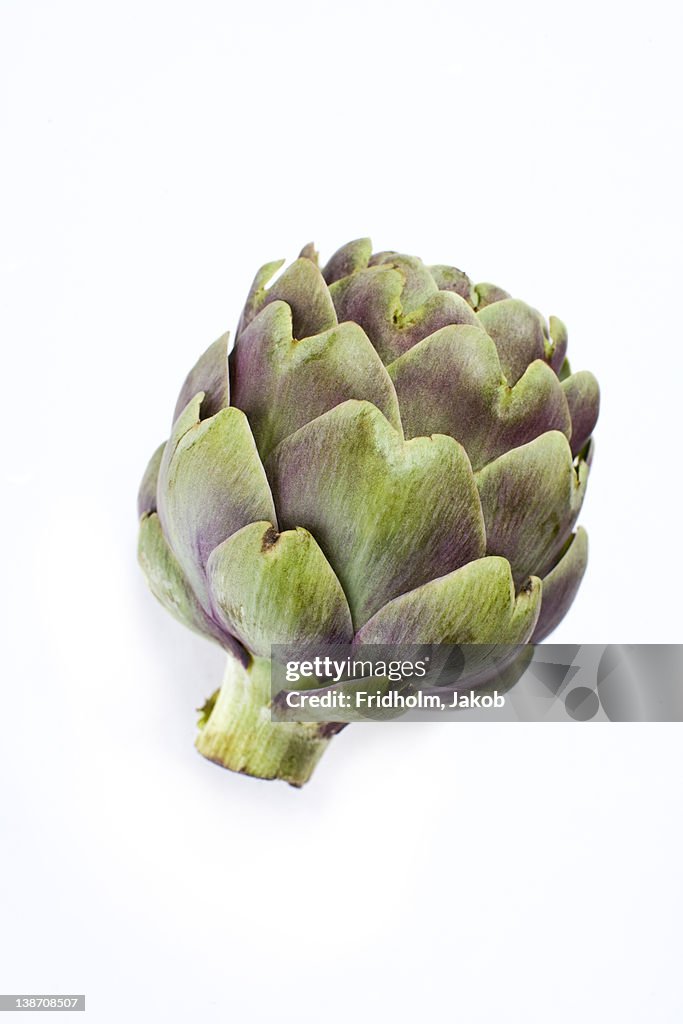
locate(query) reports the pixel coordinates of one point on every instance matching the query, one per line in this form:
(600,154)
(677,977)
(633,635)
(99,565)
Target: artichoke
(388,454)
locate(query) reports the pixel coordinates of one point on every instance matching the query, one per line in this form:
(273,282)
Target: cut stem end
(237,731)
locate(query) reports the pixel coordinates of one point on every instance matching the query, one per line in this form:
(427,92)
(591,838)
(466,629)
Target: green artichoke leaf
(475,604)
(450,279)
(303,288)
(418,285)
(257,293)
(557,349)
(147,494)
(561,584)
(277,588)
(349,259)
(531,497)
(310,252)
(582,392)
(452,383)
(486,293)
(210,375)
(211,484)
(282,384)
(518,332)
(389,514)
(169,585)
(373,298)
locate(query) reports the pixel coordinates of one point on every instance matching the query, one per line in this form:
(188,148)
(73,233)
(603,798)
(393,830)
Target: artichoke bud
(387,453)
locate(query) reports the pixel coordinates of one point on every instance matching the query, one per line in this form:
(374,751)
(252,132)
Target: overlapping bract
(389,452)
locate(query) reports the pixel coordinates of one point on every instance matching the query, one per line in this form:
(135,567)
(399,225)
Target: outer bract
(389,453)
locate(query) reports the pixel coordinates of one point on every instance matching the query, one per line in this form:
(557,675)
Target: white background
(154,154)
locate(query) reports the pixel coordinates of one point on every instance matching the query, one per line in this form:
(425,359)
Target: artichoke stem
(237,731)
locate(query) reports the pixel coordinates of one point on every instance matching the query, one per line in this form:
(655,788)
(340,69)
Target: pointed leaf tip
(531,497)
(277,588)
(475,604)
(147,494)
(209,375)
(561,584)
